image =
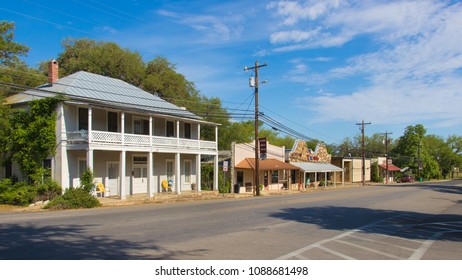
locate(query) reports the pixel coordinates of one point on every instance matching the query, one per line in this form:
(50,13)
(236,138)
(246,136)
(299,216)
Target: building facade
(132,140)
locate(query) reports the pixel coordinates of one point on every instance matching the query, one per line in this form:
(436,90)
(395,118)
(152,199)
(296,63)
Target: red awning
(391,167)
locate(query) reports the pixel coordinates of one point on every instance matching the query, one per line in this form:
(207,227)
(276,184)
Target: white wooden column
(198,131)
(90,117)
(122,174)
(216,138)
(122,127)
(150,163)
(90,149)
(177,173)
(178,133)
(215,172)
(63,160)
(150,176)
(198,173)
(90,159)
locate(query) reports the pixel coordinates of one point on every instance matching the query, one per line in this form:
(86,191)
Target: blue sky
(331,63)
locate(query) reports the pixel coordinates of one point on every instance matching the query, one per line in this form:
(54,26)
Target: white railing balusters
(115,139)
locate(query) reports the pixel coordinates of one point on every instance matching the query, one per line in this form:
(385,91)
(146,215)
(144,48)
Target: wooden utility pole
(362,152)
(386,133)
(256,189)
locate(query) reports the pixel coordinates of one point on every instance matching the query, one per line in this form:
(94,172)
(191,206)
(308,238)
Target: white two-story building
(131,139)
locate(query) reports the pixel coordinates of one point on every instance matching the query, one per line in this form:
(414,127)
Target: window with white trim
(169,169)
(187,171)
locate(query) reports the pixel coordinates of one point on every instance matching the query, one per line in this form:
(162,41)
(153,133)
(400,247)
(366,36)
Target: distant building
(352,169)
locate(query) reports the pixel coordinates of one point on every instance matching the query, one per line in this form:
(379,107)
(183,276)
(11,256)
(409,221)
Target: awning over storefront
(317,167)
(267,164)
(391,167)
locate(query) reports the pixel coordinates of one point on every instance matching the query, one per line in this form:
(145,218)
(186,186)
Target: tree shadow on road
(28,242)
(410,225)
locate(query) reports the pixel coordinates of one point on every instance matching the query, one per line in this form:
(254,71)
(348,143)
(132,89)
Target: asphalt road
(373,222)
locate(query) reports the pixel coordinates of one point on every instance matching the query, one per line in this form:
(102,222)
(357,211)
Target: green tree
(10,51)
(441,151)
(103,58)
(15,75)
(412,151)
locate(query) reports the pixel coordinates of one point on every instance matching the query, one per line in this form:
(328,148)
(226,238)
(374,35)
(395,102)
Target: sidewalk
(203,195)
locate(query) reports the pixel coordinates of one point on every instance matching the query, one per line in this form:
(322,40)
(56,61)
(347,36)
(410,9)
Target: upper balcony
(136,140)
(103,127)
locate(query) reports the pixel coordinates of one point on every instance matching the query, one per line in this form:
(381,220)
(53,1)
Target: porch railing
(113,138)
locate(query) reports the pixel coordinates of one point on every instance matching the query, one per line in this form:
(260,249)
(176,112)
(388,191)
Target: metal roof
(84,86)
(317,167)
(266,164)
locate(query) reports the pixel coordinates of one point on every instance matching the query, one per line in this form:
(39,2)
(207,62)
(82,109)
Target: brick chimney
(52,71)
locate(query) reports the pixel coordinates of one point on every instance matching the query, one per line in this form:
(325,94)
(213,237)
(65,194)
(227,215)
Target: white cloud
(292,36)
(413,74)
(211,28)
(293,12)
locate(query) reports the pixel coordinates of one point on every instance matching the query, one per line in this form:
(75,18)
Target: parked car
(406,178)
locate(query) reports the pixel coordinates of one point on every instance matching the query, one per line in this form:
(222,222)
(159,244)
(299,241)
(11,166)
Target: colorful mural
(301,153)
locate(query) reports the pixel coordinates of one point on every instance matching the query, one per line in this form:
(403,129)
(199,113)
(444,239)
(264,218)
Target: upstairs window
(112,122)
(187,130)
(170,129)
(141,127)
(83,119)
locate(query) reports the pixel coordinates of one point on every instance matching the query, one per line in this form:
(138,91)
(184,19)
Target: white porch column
(150,176)
(215,172)
(198,131)
(90,149)
(122,127)
(198,172)
(63,161)
(122,174)
(177,133)
(90,159)
(150,132)
(177,173)
(216,138)
(90,117)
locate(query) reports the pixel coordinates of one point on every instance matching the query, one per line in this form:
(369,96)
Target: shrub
(48,190)
(16,194)
(73,199)
(87,180)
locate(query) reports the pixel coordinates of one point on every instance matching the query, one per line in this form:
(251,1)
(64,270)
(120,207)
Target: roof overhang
(391,167)
(266,164)
(317,167)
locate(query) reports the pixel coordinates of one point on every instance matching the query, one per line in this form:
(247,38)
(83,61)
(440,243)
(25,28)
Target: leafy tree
(9,50)
(442,152)
(411,150)
(455,144)
(103,58)
(14,73)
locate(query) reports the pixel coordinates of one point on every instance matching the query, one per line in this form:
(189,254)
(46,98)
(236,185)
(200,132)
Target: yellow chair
(100,189)
(166,186)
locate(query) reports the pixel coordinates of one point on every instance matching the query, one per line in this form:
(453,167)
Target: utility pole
(386,133)
(363,154)
(256,189)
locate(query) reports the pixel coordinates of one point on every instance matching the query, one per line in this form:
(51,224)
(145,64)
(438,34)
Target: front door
(112,179)
(140,178)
